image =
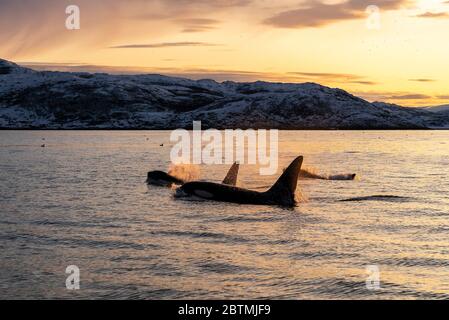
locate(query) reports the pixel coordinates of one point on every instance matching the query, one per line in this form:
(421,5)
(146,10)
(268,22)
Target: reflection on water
(82,201)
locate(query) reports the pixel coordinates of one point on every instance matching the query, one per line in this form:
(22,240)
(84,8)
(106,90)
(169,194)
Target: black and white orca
(163,179)
(281,193)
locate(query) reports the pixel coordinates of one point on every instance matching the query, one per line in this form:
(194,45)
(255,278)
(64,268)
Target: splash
(312,173)
(300,196)
(184,172)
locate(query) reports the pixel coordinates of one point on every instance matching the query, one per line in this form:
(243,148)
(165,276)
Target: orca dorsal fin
(285,187)
(231,177)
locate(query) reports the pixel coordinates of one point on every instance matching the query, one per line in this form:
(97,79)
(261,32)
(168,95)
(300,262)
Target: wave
(218,237)
(414,262)
(222,268)
(388,198)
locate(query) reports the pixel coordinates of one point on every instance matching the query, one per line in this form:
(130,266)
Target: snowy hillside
(443,108)
(32,99)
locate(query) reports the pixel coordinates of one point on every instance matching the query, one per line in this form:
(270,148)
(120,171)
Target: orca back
(281,193)
(231,177)
(162,178)
(285,187)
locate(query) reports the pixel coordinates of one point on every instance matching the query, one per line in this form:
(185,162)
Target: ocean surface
(82,200)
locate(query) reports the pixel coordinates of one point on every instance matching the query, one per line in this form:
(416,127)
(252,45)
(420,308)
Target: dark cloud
(411,96)
(333,77)
(368,83)
(422,80)
(327,75)
(382,4)
(433,15)
(394,97)
(165,45)
(316,14)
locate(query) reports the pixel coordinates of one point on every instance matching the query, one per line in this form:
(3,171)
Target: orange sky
(402,57)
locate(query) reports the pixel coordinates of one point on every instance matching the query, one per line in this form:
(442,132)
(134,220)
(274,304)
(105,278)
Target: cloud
(433,15)
(333,77)
(209,73)
(209,3)
(315,14)
(165,45)
(412,96)
(422,80)
(368,83)
(326,75)
(29,27)
(443,97)
(197,24)
(190,73)
(401,98)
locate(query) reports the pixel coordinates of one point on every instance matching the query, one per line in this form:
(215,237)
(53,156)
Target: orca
(163,179)
(281,193)
(342,177)
(231,177)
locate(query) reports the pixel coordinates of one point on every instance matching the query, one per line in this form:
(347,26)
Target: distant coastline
(46,100)
(243,128)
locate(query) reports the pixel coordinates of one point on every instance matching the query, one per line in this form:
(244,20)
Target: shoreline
(243,128)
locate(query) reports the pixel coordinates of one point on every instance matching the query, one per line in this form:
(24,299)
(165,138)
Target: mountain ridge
(78,100)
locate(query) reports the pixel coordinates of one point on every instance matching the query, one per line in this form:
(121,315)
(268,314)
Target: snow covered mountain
(442,108)
(63,100)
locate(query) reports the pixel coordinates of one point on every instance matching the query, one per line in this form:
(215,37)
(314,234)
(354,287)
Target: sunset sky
(404,58)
